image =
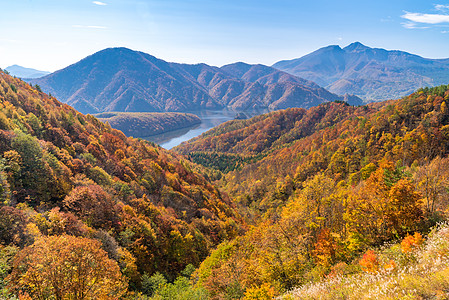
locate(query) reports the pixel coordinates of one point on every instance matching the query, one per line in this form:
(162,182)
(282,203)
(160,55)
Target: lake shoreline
(209,120)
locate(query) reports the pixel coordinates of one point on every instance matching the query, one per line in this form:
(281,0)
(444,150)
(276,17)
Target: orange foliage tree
(386,205)
(66,267)
(411,242)
(92,204)
(369,261)
(404,212)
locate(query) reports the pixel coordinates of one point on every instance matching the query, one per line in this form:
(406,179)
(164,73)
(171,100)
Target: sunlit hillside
(357,178)
(67,175)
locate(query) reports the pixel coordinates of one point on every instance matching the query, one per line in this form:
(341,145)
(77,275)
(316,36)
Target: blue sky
(51,34)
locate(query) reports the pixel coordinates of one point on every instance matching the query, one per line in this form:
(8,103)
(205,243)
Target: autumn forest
(333,200)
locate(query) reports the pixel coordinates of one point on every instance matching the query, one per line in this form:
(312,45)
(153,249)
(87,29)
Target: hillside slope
(370,73)
(62,172)
(119,79)
(300,143)
(321,192)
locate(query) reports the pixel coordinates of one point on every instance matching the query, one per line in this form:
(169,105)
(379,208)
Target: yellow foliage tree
(263,292)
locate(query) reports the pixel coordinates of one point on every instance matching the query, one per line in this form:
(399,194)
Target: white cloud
(98,3)
(423,20)
(89,26)
(426,18)
(441,7)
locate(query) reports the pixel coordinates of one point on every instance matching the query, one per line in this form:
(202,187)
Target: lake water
(209,119)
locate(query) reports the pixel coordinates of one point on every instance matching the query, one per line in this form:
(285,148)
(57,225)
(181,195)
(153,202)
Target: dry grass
(420,274)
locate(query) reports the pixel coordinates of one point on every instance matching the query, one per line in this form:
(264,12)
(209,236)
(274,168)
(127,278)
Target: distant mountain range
(370,73)
(23,72)
(120,79)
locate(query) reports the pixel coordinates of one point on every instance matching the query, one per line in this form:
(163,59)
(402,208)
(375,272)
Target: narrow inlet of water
(209,120)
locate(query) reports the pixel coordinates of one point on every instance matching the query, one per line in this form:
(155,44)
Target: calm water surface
(209,119)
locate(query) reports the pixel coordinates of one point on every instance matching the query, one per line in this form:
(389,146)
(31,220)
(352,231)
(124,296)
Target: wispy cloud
(412,25)
(89,26)
(98,3)
(426,18)
(442,7)
(10,41)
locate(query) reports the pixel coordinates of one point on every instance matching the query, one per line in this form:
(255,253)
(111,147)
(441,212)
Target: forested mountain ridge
(148,124)
(302,142)
(120,79)
(359,177)
(263,74)
(265,132)
(64,174)
(373,74)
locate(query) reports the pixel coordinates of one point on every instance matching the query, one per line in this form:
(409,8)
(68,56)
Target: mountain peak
(116,51)
(355,47)
(329,48)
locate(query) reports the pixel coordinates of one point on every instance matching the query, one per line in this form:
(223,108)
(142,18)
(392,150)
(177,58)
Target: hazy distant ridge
(370,73)
(23,72)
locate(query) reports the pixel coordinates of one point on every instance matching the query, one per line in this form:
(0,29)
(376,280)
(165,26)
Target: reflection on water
(166,137)
(209,119)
